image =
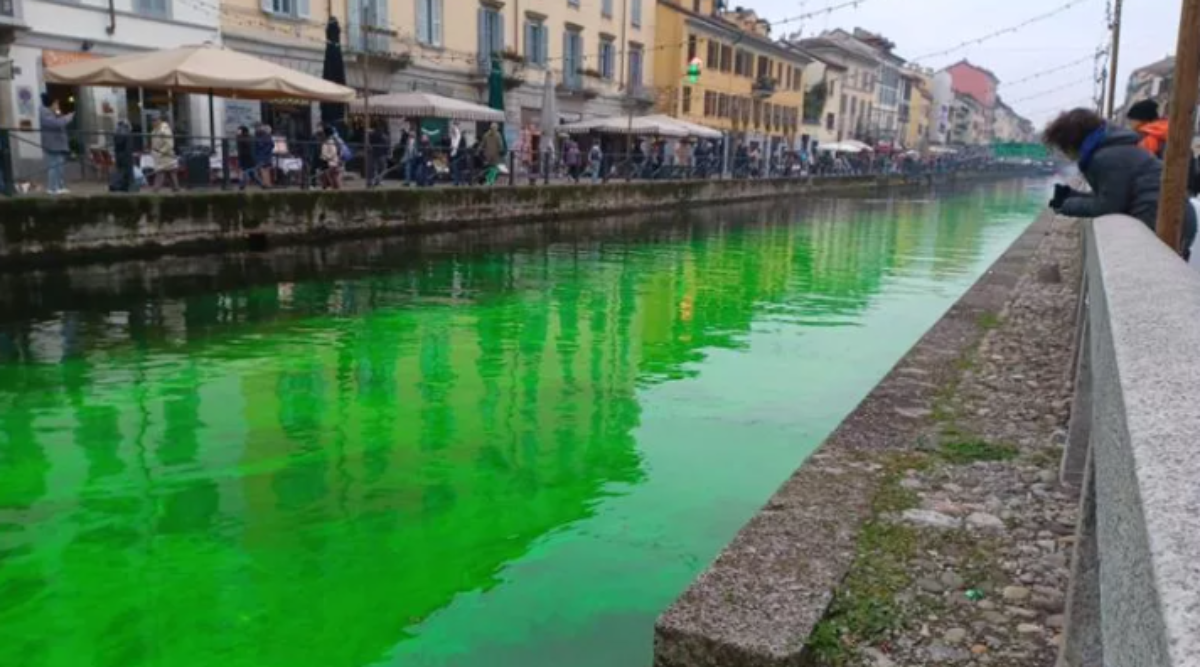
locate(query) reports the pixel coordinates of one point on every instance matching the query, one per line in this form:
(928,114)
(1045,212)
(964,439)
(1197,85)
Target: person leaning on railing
(1123,177)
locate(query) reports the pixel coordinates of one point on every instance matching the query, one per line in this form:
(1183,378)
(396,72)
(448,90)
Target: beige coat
(162,147)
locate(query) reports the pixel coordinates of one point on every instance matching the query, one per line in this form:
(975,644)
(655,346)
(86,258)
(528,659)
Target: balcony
(585,84)
(512,68)
(763,87)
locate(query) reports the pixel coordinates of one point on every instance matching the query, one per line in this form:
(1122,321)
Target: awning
(203,69)
(693,129)
(637,126)
(427,105)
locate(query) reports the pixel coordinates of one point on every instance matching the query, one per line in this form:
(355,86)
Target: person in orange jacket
(1143,118)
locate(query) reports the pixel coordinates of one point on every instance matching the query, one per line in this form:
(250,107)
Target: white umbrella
(693,129)
(637,126)
(427,105)
(549,118)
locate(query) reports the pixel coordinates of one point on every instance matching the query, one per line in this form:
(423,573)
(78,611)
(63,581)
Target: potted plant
(764,86)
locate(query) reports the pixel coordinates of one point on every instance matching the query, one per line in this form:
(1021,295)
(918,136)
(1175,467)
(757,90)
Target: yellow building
(599,52)
(916,107)
(750,85)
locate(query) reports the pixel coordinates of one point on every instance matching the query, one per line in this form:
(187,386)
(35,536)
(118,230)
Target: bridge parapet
(1135,446)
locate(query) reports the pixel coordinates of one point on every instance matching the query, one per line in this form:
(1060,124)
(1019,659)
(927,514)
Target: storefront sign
(51,58)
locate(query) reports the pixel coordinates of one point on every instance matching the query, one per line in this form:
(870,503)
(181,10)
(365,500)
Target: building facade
(823,86)
(751,86)
(886,124)
(981,85)
(598,52)
(860,67)
(1152,82)
(1011,127)
(916,108)
(968,122)
(44,33)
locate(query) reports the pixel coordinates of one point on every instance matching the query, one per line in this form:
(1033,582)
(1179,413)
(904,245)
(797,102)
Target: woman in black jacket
(1123,177)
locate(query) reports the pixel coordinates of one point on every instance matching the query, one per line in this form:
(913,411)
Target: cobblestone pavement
(977,529)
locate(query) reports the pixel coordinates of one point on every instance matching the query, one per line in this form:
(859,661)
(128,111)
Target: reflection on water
(513,455)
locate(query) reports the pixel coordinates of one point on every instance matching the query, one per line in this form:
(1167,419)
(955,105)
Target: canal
(503,449)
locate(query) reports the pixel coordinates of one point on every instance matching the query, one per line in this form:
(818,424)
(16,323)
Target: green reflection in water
(512,459)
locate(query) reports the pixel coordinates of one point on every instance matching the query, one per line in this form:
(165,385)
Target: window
(739,61)
(696,6)
(159,8)
(710,103)
(573,3)
(606,8)
(842,106)
(607,58)
(537,42)
(429,22)
(726,58)
(714,55)
(723,106)
(691,48)
(853,106)
(573,59)
(635,13)
(374,13)
(491,35)
(635,66)
(764,67)
(828,121)
(294,8)
(686,104)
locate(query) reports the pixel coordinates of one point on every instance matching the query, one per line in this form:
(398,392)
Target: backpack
(344,152)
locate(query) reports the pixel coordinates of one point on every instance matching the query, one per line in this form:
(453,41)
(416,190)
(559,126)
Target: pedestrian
(410,160)
(424,169)
(1123,177)
(331,160)
(595,160)
(162,149)
(264,154)
(573,159)
(379,153)
(457,153)
(247,166)
(55,143)
(122,179)
(492,146)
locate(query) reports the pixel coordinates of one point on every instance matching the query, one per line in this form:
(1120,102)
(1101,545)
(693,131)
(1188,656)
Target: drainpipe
(112,18)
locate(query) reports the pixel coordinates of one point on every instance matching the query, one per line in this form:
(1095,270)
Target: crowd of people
(420,158)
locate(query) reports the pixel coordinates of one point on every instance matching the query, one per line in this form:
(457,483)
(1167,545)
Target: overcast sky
(919,27)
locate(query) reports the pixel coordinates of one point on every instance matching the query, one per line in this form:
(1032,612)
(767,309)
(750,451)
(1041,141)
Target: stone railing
(1134,445)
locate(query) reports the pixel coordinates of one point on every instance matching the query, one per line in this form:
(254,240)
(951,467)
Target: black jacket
(1124,178)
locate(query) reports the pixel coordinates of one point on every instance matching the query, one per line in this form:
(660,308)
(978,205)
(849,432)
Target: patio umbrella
(202,69)
(637,126)
(334,71)
(693,129)
(426,105)
(549,119)
(496,86)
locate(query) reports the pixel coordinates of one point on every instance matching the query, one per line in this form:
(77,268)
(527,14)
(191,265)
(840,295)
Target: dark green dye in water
(514,456)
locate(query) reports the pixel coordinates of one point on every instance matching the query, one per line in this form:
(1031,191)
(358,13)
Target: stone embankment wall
(866,554)
(51,229)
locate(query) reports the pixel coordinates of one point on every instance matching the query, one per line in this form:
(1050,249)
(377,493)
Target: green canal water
(511,455)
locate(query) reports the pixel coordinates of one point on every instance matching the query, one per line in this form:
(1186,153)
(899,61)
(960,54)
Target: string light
(1004,31)
(1050,91)
(1052,70)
